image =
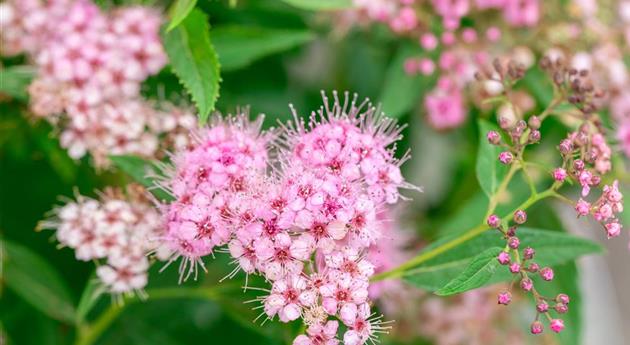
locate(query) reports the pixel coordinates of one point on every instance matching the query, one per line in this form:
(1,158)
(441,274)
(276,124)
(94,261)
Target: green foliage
(480,269)
(194,61)
(490,172)
(15,79)
(318,5)
(91,294)
(239,46)
(142,171)
(552,248)
(179,10)
(29,276)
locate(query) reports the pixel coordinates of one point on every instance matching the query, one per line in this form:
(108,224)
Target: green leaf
(14,81)
(538,84)
(401,93)
(239,46)
(91,293)
(490,172)
(36,281)
(142,171)
(480,269)
(194,61)
(552,248)
(319,5)
(179,11)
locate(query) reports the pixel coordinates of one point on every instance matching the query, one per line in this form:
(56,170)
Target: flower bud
(562,298)
(559,174)
(520,217)
(514,242)
(493,137)
(534,136)
(582,207)
(561,308)
(578,165)
(534,122)
(533,267)
(506,157)
(527,284)
(613,229)
(511,231)
(504,298)
(503,258)
(565,147)
(494,221)
(528,253)
(515,267)
(556,325)
(536,327)
(546,274)
(542,307)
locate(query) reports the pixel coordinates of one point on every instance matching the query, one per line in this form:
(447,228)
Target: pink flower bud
(534,122)
(511,231)
(582,207)
(542,307)
(520,217)
(505,298)
(533,267)
(578,165)
(515,267)
(528,253)
(565,146)
(536,327)
(562,298)
(561,308)
(514,242)
(493,137)
(546,274)
(506,157)
(557,325)
(426,66)
(527,284)
(494,221)
(448,38)
(613,229)
(428,41)
(534,136)
(559,174)
(503,258)
(469,35)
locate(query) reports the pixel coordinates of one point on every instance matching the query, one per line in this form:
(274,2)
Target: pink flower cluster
(520,263)
(90,69)
(306,227)
(117,231)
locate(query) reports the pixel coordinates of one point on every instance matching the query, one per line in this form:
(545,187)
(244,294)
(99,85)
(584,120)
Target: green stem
(494,200)
(88,334)
(399,271)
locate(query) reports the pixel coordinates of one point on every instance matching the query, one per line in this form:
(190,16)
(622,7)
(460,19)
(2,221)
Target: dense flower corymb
(306,227)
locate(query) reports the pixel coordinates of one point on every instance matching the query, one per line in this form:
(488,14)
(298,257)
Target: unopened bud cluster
(519,261)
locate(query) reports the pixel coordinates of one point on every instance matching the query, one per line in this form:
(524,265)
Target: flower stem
(468,235)
(88,334)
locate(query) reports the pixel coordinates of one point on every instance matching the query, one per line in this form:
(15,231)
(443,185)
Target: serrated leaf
(319,5)
(490,172)
(142,171)
(179,11)
(14,81)
(194,61)
(552,248)
(480,269)
(29,276)
(401,92)
(239,46)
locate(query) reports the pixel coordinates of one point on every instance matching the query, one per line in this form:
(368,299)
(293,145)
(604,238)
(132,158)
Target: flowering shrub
(210,221)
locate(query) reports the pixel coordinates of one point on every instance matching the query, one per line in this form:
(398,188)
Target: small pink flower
(613,229)
(527,284)
(493,34)
(505,298)
(536,327)
(428,41)
(556,325)
(582,207)
(542,307)
(515,267)
(503,258)
(563,298)
(514,242)
(546,274)
(559,174)
(506,157)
